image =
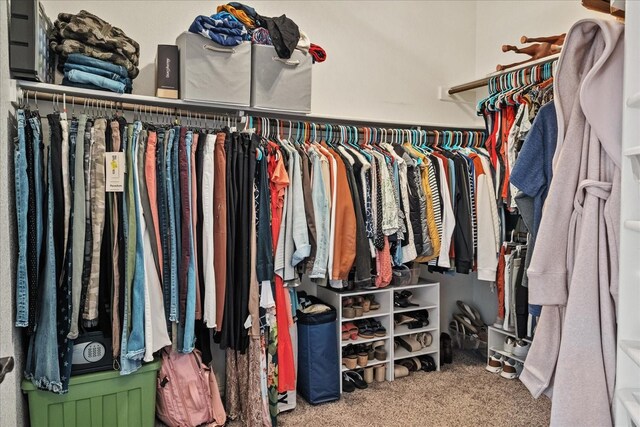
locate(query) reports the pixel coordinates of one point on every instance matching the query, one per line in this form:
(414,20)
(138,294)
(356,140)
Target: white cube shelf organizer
(495,343)
(425,294)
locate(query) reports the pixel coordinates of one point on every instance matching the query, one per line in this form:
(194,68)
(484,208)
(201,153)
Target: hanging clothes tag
(248,322)
(115,170)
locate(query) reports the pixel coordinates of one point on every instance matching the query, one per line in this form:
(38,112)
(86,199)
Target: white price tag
(114,171)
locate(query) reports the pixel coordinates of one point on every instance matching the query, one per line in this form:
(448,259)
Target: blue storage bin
(318,365)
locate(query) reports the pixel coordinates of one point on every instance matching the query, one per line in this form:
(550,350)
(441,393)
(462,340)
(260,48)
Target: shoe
(446,351)
(373,304)
(425,339)
(510,369)
(349,356)
(422,319)
(402,299)
(412,364)
(347,383)
(495,363)
(379,352)
(380,372)
(463,320)
(358,310)
(409,343)
(521,349)
(368,374)
(509,344)
(357,380)
(472,313)
(347,308)
(378,329)
(400,371)
(428,364)
(362,359)
(364,303)
(364,329)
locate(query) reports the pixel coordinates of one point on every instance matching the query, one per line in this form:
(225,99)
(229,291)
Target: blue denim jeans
(190,315)
(80,59)
(38,178)
(322,213)
(82,77)
(127,365)
(46,369)
(171,274)
(22,207)
(177,214)
(135,347)
(99,72)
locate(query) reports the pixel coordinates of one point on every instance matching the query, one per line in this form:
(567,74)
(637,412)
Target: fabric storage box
(280,84)
(401,276)
(100,399)
(318,364)
(213,73)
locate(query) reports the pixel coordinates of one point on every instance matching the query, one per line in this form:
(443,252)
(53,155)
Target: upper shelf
(475,84)
(216,108)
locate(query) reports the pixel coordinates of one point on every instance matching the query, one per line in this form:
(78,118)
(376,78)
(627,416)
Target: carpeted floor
(461,394)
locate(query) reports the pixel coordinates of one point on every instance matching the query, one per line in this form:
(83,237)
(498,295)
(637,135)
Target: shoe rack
(495,343)
(427,297)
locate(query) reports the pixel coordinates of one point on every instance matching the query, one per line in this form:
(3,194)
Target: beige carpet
(462,394)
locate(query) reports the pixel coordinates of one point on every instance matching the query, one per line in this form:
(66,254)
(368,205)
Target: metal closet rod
(475,84)
(81,101)
(293,124)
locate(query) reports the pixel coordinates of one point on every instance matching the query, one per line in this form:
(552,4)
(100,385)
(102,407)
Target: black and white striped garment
(472,194)
(437,206)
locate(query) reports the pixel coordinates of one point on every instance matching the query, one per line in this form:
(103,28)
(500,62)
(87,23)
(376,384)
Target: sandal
(409,343)
(373,304)
(345,332)
(379,351)
(471,312)
(400,371)
(403,319)
(463,320)
(402,299)
(364,329)
(378,329)
(425,339)
(352,330)
(364,303)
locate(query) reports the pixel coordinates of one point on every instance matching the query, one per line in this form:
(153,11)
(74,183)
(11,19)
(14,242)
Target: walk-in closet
(320,213)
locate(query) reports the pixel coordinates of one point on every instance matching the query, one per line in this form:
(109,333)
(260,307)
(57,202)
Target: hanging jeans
(208,179)
(43,369)
(22,206)
(189,251)
(78,224)
(135,346)
(171,273)
(39,201)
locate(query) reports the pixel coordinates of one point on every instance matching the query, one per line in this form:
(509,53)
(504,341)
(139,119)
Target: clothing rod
(284,124)
(475,84)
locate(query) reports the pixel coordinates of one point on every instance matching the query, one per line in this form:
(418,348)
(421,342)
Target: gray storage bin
(214,73)
(280,84)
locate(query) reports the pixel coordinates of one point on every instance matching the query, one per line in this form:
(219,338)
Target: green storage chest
(102,399)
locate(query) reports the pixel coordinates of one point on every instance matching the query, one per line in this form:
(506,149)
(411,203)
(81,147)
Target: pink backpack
(187,392)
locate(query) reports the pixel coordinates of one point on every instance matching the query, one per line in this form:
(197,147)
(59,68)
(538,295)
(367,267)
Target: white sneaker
(494,365)
(509,344)
(521,349)
(509,369)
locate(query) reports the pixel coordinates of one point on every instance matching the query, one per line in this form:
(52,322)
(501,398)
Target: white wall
(385,59)
(504,22)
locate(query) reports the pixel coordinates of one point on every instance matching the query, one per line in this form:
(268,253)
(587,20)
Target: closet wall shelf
(632,348)
(422,306)
(630,399)
(632,225)
(404,330)
(373,362)
(484,81)
(364,340)
(403,353)
(213,108)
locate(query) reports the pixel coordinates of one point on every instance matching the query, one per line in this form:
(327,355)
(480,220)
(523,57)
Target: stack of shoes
(469,322)
(363,354)
(517,347)
(507,368)
(353,307)
(93,54)
(406,367)
(361,378)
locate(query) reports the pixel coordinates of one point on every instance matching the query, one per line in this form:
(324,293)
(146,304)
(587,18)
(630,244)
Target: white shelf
(361,340)
(504,353)
(369,315)
(632,348)
(402,353)
(634,100)
(422,306)
(365,291)
(632,225)
(373,362)
(630,399)
(404,330)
